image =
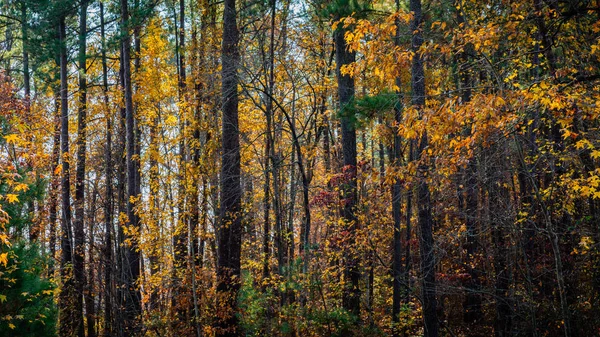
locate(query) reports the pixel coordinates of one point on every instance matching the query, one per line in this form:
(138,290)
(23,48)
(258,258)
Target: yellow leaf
(11,138)
(11,326)
(171,120)
(21,187)
(11,198)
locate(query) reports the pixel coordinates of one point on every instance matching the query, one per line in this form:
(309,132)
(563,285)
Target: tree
(26,295)
(230,227)
(67,309)
(346,90)
(131,264)
(426,248)
(78,224)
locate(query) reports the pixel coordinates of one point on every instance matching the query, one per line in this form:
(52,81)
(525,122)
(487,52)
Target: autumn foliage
(300,168)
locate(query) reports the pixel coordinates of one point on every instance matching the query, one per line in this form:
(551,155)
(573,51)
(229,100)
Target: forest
(299,168)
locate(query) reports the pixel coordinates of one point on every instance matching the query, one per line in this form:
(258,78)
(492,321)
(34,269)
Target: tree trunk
(230,229)
(399,286)
(351,297)
(182,237)
(497,206)
(54,182)
(88,294)
(78,225)
(424,197)
(108,198)
(25,36)
(131,265)
(472,305)
(67,314)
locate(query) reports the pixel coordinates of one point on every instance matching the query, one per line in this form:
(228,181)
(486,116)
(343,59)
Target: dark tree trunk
(399,285)
(88,294)
(424,197)
(497,208)
(351,297)
(181,237)
(108,198)
(271,157)
(472,311)
(267,204)
(119,270)
(54,182)
(25,36)
(131,265)
(67,314)
(78,225)
(326,148)
(230,228)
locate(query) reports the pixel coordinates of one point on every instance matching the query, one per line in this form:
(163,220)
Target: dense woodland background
(299,168)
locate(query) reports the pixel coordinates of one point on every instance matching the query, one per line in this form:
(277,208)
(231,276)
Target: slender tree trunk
(472,311)
(399,283)
(25,36)
(88,294)
(230,229)
(305,232)
(108,197)
(326,149)
(269,142)
(131,265)
(351,297)
(497,208)
(267,204)
(424,197)
(78,225)
(54,182)
(67,314)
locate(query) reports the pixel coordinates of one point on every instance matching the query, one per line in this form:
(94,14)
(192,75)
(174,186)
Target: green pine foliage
(27,305)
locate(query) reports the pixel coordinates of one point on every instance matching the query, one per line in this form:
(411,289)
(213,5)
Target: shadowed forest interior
(299,168)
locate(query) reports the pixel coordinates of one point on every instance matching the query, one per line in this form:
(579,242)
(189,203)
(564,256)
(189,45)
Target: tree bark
(78,225)
(67,314)
(131,265)
(108,197)
(230,228)
(351,297)
(54,182)
(428,286)
(399,285)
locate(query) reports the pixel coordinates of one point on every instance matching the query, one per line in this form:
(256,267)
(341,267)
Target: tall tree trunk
(108,197)
(267,204)
(78,225)
(399,287)
(88,294)
(54,181)
(472,305)
(230,229)
(399,283)
(67,314)
(351,297)
(423,193)
(269,155)
(497,208)
(25,37)
(131,265)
